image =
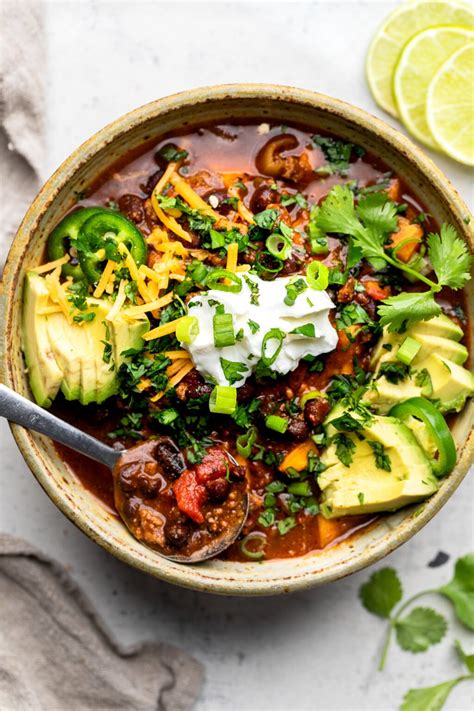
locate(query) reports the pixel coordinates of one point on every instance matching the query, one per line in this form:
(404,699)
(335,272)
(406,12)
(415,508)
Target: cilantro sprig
(421,627)
(433,697)
(368,225)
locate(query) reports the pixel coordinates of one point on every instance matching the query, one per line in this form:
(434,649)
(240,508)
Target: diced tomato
(408,233)
(190,495)
(214,465)
(375,291)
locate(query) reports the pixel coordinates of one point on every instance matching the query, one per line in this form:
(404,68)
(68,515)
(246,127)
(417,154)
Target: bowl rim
(46,196)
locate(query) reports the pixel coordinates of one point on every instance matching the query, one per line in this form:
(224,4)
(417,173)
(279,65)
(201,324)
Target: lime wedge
(399,27)
(419,61)
(450,105)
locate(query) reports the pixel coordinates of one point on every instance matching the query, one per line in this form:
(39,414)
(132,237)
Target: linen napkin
(56,654)
(22,80)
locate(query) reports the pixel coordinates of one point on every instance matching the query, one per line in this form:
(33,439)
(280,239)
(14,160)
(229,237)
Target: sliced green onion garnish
(187,329)
(317,275)
(274,334)
(300,488)
(293,289)
(318,240)
(311,395)
(257,540)
(213,281)
(279,246)
(276,423)
(223,325)
(223,400)
(408,350)
(246,441)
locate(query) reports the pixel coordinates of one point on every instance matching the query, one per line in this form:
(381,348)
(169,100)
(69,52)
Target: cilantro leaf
(378,212)
(460,590)
(428,698)
(233,370)
(467,659)
(337,213)
(307,330)
(401,311)
(421,628)
(344,448)
(381,592)
(449,256)
(382,459)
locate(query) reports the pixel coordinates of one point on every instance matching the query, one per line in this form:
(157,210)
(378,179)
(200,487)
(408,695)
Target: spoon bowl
(137,470)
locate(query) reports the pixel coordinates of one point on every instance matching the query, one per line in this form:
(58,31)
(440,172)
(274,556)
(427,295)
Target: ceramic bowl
(219,103)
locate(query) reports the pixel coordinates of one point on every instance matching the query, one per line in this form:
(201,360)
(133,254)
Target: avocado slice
(363,487)
(436,371)
(71,356)
(44,373)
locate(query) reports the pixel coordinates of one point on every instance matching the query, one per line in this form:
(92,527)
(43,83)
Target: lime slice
(419,61)
(399,27)
(450,105)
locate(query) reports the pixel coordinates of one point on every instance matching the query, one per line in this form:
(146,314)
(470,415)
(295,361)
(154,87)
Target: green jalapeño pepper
(64,235)
(98,241)
(437,429)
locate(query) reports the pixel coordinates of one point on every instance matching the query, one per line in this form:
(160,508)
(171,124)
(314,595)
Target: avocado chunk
(83,358)
(387,468)
(44,372)
(435,372)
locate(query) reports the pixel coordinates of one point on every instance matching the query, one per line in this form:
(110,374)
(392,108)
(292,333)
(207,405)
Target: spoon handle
(24,412)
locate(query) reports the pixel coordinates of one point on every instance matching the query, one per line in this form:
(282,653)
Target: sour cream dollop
(256,309)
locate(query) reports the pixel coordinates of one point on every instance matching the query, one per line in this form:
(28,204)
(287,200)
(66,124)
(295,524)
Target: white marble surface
(314,650)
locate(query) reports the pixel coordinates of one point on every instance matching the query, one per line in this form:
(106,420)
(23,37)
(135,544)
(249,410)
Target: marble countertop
(311,650)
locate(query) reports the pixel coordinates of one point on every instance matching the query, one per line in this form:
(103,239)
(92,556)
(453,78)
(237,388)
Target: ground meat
(218,490)
(316,410)
(297,430)
(193,386)
(150,215)
(141,477)
(346,293)
(132,207)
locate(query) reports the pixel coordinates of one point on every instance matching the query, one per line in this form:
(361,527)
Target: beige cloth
(56,655)
(22,146)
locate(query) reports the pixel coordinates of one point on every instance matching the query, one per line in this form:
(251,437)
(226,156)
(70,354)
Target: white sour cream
(310,307)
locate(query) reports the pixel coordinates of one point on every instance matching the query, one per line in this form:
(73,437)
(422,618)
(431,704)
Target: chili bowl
(221,104)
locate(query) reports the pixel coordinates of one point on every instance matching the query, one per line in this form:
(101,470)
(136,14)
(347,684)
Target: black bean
(297,430)
(168,454)
(176,534)
(218,490)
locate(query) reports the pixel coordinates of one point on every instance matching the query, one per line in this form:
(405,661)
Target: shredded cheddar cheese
(173,355)
(105,278)
(175,367)
(232,254)
(151,306)
(163,330)
(52,265)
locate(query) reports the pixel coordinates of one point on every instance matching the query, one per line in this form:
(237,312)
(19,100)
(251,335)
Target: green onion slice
(317,275)
(408,350)
(187,329)
(223,400)
(246,441)
(300,488)
(279,246)
(212,281)
(257,541)
(223,326)
(274,334)
(276,423)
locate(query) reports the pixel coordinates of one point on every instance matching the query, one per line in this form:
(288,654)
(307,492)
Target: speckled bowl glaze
(219,103)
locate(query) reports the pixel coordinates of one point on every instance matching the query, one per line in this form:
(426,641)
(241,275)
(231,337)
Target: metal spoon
(23,412)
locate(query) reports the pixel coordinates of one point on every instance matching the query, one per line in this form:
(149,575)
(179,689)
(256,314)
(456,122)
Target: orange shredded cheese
(52,265)
(192,198)
(57,293)
(175,367)
(105,278)
(173,355)
(232,254)
(151,306)
(134,273)
(163,330)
